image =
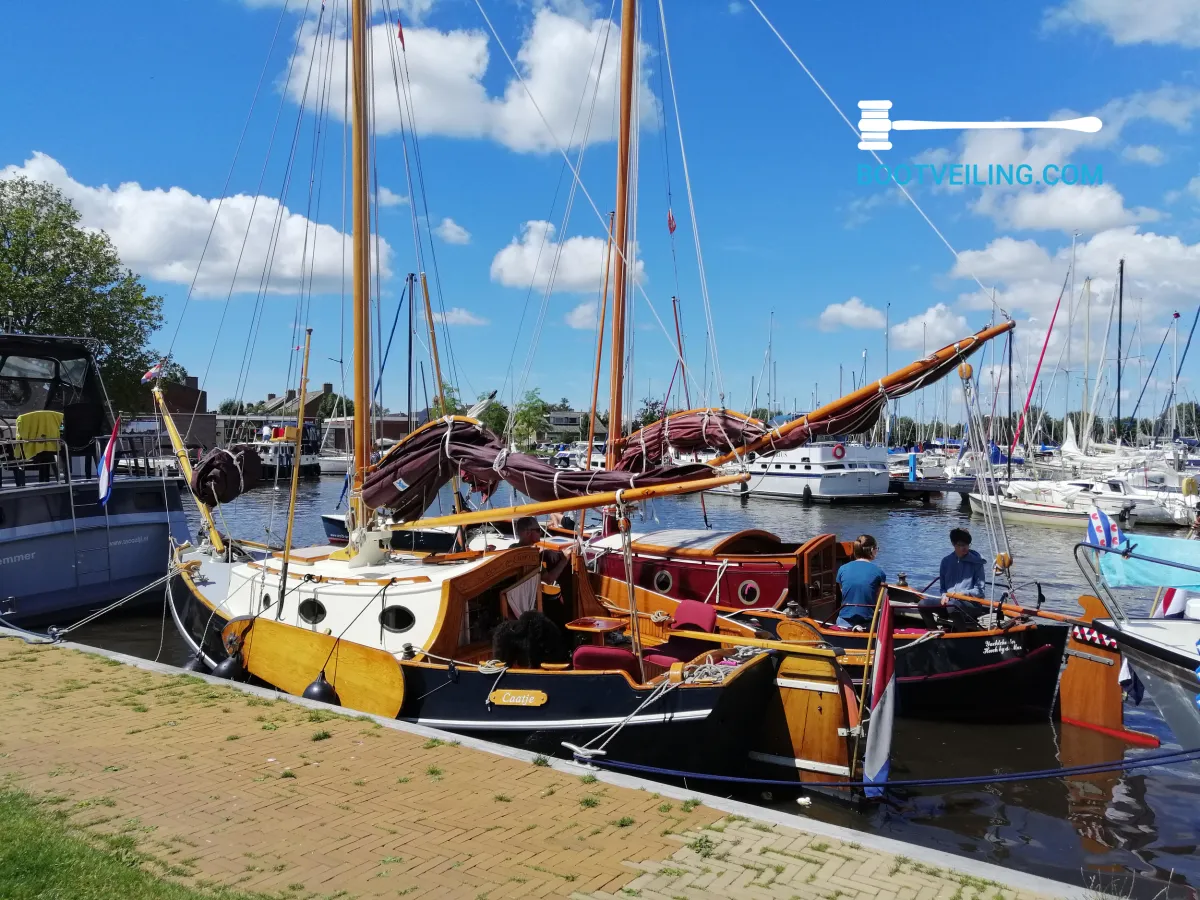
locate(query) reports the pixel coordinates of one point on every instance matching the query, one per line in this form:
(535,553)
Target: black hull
(968,678)
(705,729)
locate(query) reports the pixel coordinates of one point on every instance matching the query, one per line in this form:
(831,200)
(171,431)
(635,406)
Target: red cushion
(660,660)
(593,658)
(694,615)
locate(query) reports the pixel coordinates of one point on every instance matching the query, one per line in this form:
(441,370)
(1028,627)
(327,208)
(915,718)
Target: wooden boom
(898,378)
(568,504)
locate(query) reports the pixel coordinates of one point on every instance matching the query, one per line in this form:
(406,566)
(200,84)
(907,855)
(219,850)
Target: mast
(361,343)
(295,487)
(599,355)
(1070,326)
(621,237)
(1087,359)
(1120,318)
(1013,446)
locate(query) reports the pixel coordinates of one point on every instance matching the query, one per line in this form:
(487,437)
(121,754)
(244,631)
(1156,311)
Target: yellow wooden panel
(291,658)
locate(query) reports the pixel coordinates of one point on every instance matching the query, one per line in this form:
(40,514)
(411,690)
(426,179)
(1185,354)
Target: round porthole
(266,600)
(663,582)
(312,611)
(748,593)
(397,619)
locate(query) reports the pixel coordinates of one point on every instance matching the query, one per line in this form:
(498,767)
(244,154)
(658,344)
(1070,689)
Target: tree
(563,405)
(530,417)
(231,407)
(334,405)
(451,405)
(652,410)
(59,278)
(494,416)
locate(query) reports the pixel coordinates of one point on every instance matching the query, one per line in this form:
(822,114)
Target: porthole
(748,592)
(312,611)
(266,600)
(663,582)
(397,619)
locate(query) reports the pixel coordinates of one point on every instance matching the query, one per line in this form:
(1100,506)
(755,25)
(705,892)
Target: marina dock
(236,788)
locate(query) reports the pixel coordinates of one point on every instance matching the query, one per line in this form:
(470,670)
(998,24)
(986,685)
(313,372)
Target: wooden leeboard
(291,658)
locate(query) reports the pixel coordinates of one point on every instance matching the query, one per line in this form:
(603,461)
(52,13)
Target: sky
(207,139)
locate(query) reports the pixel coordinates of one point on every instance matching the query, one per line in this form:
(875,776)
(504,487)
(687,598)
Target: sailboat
(415,636)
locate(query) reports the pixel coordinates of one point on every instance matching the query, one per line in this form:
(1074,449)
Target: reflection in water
(1109,827)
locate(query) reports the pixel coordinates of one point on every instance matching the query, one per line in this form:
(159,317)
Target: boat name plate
(517,698)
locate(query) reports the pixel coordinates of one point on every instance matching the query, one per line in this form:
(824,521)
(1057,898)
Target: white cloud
(459,316)
(1193,187)
(1144,153)
(1062,207)
(452,233)
(736,6)
(391,198)
(851,314)
(1134,21)
(559,61)
(585,316)
(930,330)
(530,259)
(160,234)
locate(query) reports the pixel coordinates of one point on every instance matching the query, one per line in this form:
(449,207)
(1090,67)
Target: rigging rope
(852,127)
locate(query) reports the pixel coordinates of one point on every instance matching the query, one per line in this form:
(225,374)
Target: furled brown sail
(222,475)
(409,477)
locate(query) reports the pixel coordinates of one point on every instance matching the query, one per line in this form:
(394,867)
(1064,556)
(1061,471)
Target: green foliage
(449,405)
(334,405)
(530,418)
(563,405)
(494,416)
(59,278)
(652,410)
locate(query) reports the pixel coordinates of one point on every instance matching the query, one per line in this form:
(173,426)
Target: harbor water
(1126,834)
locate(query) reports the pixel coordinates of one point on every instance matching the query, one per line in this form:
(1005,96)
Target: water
(1129,834)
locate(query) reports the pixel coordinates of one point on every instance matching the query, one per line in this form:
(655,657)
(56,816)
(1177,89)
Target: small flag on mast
(400,34)
(670,221)
(155,371)
(107,461)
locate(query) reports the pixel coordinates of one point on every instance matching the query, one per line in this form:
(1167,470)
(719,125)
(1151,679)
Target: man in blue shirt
(962,570)
(858,584)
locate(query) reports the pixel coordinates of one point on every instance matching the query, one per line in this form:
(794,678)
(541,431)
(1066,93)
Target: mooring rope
(1165,758)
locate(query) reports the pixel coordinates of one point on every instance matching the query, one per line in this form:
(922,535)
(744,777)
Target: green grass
(502,798)
(689,805)
(42,856)
(541,761)
(321,735)
(589,801)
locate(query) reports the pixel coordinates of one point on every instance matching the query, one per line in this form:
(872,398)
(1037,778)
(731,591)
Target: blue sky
(135,110)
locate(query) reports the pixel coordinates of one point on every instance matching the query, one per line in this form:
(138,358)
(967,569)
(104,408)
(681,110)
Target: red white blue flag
(1174,603)
(153,372)
(882,702)
(106,464)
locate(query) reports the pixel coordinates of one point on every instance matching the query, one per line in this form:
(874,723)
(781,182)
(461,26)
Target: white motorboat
(334,463)
(826,471)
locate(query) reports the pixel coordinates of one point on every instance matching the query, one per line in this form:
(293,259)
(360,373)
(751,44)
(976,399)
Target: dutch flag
(153,372)
(1103,531)
(106,464)
(1173,605)
(882,702)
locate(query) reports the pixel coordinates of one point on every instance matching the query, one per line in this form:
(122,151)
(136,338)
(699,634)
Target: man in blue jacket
(962,570)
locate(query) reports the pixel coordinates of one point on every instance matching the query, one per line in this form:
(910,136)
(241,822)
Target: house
(276,410)
(565,426)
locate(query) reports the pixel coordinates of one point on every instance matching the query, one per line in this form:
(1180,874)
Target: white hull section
(817,472)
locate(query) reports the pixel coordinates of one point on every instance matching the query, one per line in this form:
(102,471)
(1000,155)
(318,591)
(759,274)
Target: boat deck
(226,785)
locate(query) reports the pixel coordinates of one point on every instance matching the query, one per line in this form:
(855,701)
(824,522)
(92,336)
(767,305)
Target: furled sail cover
(687,432)
(222,475)
(409,476)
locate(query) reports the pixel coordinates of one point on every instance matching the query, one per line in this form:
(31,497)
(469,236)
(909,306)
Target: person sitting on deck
(858,584)
(962,572)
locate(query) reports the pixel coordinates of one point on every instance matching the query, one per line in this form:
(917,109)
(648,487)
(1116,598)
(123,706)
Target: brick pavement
(222,788)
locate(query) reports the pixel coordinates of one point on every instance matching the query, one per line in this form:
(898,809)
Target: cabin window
(807,468)
(27,367)
(804,459)
(765,467)
(397,619)
(663,582)
(834,466)
(312,611)
(748,592)
(266,600)
(778,466)
(793,468)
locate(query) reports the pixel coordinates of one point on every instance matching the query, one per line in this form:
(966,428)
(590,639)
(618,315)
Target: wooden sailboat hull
(993,675)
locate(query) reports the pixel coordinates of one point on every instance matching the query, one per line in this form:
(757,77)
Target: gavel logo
(875,127)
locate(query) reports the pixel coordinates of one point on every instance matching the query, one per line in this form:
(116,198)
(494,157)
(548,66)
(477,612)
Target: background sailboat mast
(620,273)
(361,345)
